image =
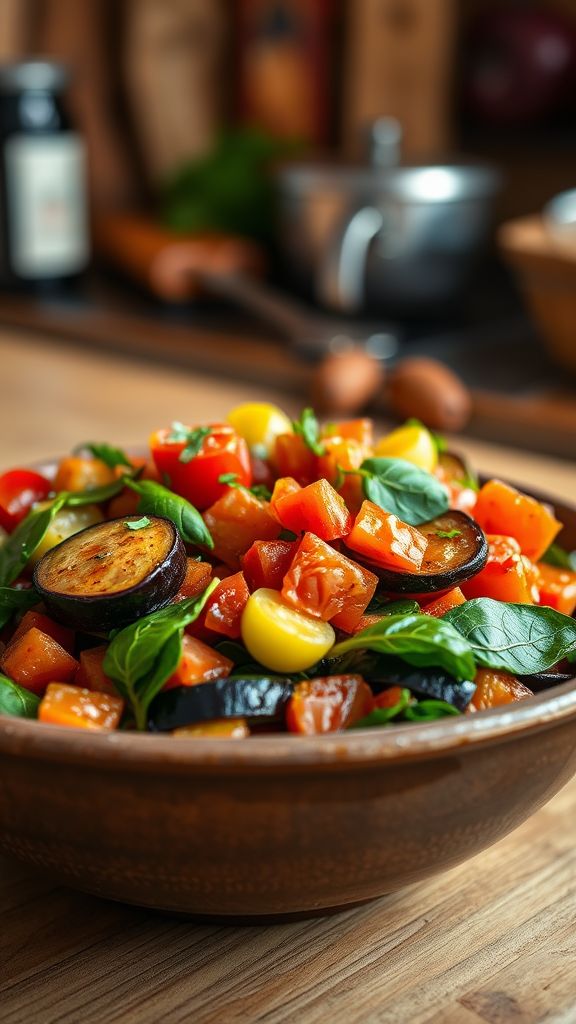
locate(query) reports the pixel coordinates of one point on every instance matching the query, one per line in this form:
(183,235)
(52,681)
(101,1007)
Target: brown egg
(345,382)
(430,391)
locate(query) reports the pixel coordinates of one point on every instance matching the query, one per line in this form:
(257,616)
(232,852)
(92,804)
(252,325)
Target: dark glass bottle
(44,239)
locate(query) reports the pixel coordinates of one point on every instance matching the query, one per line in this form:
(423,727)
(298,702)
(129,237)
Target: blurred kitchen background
(319,195)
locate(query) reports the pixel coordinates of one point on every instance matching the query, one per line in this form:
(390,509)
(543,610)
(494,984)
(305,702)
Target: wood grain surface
(492,941)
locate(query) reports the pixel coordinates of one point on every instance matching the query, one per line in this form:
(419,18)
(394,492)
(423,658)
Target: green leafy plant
(560,558)
(141,657)
(15,600)
(308,428)
(111,456)
(157,500)
(404,489)
(16,700)
(518,638)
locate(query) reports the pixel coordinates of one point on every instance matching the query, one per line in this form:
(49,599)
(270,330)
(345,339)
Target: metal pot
(394,238)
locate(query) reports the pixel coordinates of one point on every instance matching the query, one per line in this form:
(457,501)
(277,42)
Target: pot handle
(342,276)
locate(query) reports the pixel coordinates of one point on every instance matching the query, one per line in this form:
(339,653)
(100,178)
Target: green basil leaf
(384,606)
(138,524)
(141,657)
(381,716)
(420,640)
(308,428)
(111,456)
(193,439)
(404,489)
(16,700)
(429,711)
(518,638)
(12,600)
(559,557)
(157,500)
(23,541)
(93,495)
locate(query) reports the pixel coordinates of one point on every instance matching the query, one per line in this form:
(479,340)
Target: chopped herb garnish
(258,490)
(308,428)
(193,440)
(138,524)
(448,534)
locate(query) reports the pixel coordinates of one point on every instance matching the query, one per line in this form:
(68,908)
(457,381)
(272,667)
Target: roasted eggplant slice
(544,680)
(456,470)
(424,682)
(261,698)
(457,550)
(111,574)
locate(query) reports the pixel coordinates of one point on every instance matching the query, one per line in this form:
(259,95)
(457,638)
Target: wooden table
(491,941)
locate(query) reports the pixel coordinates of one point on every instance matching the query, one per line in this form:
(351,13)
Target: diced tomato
(365,621)
(443,604)
(328,585)
(198,664)
(284,485)
(501,509)
(220,728)
(19,490)
(328,704)
(235,521)
(389,697)
(91,674)
(73,706)
(81,473)
(557,588)
(266,563)
(222,451)
(292,457)
(361,430)
(496,688)
(61,634)
(223,610)
(317,508)
(386,540)
(197,578)
(35,659)
(504,576)
(340,453)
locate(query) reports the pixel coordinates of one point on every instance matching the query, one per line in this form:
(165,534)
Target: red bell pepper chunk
(443,604)
(292,457)
(328,704)
(327,584)
(91,674)
(35,659)
(222,451)
(361,430)
(318,509)
(235,521)
(266,563)
(501,509)
(557,588)
(19,490)
(223,610)
(504,576)
(199,663)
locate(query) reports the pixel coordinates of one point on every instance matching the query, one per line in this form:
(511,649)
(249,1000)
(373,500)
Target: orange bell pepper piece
(496,688)
(224,607)
(198,664)
(557,588)
(73,706)
(292,457)
(504,576)
(317,508)
(443,604)
(91,674)
(501,509)
(327,584)
(361,430)
(35,659)
(197,578)
(61,634)
(328,704)
(386,540)
(235,521)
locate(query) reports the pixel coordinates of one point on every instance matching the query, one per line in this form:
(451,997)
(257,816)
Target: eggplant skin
(428,682)
(263,698)
(107,576)
(447,561)
(544,680)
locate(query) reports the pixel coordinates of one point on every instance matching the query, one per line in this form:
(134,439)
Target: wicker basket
(546,267)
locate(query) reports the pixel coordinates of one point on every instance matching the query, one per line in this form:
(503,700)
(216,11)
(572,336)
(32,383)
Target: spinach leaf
(519,638)
(144,655)
(12,600)
(16,701)
(404,489)
(557,556)
(420,640)
(157,500)
(308,428)
(381,716)
(193,439)
(22,543)
(384,606)
(111,456)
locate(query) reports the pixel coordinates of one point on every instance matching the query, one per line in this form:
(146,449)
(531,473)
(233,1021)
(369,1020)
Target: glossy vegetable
(91,674)
(198,663)
(263,699)
(317,508)
(64,523)
(109,575)
(504,576)
(225,606)
(414,443)
(259,423)
(326,584)
(35,659)
(493,689)
(427,682)
(444,603)
(191,460)
(283,638)
(266,563)
(20,489)
(77,473)
(72,706)
(455,550)
(404,489)
(501,509)
(557,588)
(63,635)
(327,705)
(16,700)
(385,541)
(235,521)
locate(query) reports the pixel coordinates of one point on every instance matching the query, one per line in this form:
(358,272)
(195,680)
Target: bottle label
(46,198)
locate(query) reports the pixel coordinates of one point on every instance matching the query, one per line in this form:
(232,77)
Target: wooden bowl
(278,825)
(546,269)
